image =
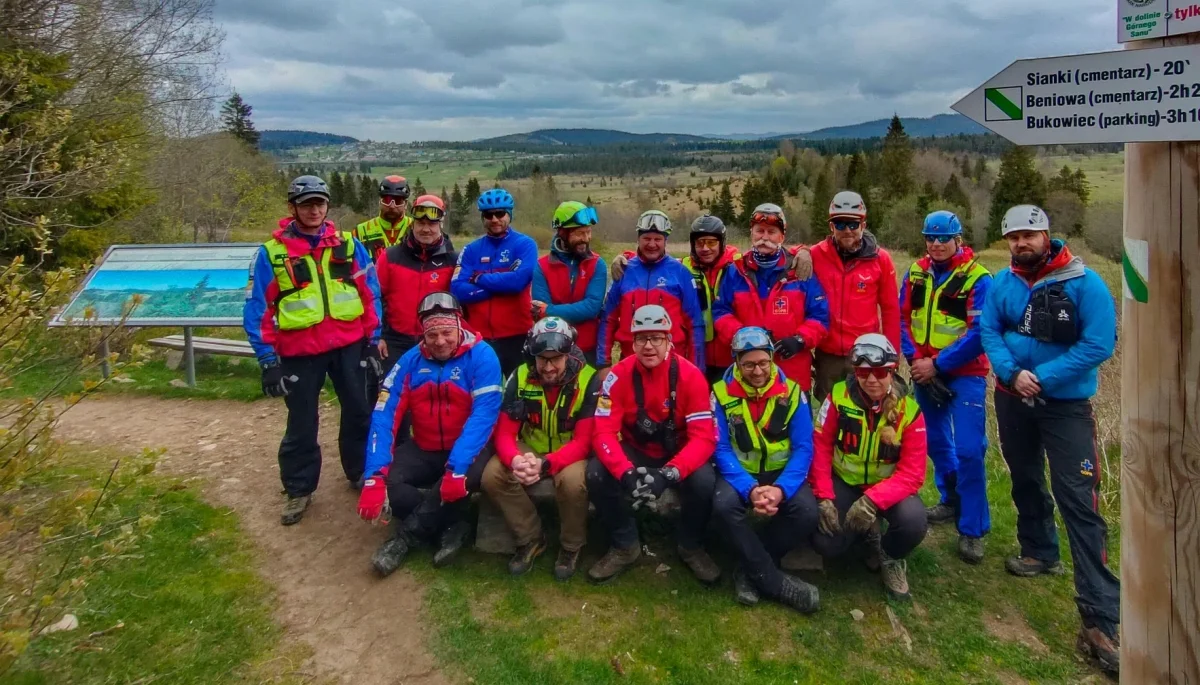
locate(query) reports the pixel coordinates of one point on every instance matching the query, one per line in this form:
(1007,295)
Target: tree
(954,194)
(897,161)
(819,207)
(459,209)
(368,195)
(350,192)
(1067,212)
(965,167)
(337,190)
(1019,183)
(856,177)
(418,188)
(235,118)
(723,207)
(473,190)
(1071,182)
(754,193)
(980,169)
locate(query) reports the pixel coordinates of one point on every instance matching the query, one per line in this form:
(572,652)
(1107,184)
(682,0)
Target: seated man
(654,430)
(545,431)
(764,449)
(869,463)
(449,386)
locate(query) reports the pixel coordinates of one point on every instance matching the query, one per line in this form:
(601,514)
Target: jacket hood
(298,244)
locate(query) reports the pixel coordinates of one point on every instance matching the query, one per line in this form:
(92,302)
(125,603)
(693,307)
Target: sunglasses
(584,217)
(767,218)
(495,214)
(943,239)
(865,372)
(846,225)
(708,243)
(392,200)
(428,213)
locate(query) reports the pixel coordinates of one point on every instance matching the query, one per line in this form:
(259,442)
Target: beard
(1028,259)
(581,249)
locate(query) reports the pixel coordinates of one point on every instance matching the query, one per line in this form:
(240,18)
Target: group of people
(492,369)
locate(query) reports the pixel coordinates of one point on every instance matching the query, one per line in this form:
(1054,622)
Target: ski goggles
(844,225)
(656,223)
(428,213)
(393,200)
(556,343)
(871,355)
(752,338)
(939,238)
(438,303)
(584,217)
(768,219)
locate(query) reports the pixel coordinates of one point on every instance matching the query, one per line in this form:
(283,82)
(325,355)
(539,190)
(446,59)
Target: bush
(1105,228)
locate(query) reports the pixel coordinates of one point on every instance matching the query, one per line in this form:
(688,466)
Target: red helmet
(430,201)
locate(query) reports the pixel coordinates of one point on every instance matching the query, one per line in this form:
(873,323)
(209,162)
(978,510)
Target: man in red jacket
(859,280)
(654,430)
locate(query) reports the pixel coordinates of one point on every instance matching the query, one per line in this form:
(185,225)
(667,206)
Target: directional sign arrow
(1127,96)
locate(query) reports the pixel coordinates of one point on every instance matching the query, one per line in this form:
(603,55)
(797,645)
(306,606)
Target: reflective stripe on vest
(324,290)
(373,233)
(769,456)
(554,429)
(856,458)
(707,294)
(939,326)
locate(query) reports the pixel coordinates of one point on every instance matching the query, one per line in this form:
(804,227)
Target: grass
(194,609)
(1105,173)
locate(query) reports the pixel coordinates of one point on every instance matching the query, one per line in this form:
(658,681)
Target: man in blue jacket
(450,388)
(569,282)
(493,280)
(1048,324)
(764,450)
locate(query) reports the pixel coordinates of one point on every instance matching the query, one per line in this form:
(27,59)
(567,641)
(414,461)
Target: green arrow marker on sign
(997,97)
(1135,265)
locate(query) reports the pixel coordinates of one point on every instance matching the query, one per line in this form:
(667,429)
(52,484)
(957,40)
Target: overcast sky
(466,69)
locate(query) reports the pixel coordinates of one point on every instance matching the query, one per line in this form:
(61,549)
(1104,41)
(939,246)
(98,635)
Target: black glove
(939,392)
(790,346)
(629,480)
(273,382)
(654,482)
(372,361)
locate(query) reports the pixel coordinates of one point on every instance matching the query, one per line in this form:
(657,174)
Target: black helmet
(305,187)
(393,186)
(708,225)
(551,334)
(438,303)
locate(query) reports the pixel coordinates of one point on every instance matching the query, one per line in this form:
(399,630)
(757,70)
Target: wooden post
(1160,406)
(105,367)
(189,357)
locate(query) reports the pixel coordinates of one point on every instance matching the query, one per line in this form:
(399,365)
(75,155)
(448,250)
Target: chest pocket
(850,432)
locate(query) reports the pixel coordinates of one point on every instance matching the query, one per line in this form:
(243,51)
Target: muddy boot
(1028,567)
(872,548)
(799,595)
(614,563)
(702,565)
(391,554)
(895,578)
(942,513)
(565,565)
(970,549)
(522,560)
(293,511)
(1093,643)
(744,590)
(451,543)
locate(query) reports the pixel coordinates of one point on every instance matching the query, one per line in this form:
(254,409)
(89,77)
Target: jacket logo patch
(382,402)
(861,287)
(780,306)
(433,278)
(485,260)
(504,258)
(661,282)
(1086,468)
(456,373)
(424,371)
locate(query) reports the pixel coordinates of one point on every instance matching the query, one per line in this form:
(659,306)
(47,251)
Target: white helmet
(873,349)
(650,318)
(848,204)
(1024,218)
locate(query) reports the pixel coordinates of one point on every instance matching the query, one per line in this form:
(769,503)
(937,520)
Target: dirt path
(361,629)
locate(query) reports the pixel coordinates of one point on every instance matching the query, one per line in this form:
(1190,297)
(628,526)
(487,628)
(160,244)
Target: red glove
(454,487)
(374,496)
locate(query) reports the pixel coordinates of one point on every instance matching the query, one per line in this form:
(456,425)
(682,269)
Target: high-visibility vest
(939,314)
(858,457)
(308,291)
(706,292)
(761,446)
(373,233)
(546,428)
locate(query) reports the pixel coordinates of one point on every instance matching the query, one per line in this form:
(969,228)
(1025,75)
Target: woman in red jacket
(869,463)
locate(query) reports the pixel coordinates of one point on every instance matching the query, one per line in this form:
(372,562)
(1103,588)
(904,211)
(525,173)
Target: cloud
(461,69)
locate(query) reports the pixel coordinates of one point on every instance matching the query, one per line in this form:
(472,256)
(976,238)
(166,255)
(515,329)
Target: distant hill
(286,140)
(588,136)
(916,127)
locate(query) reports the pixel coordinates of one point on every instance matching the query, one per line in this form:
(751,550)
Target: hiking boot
(895,578)
(293,511)
(451,543)
(873,548)
(390,555)
(1093,643)
(614,563)
(941,513)
(744,590)
(702,565)
(565,564)
(1028,567)
(799,595)
(522,560)
(970,549)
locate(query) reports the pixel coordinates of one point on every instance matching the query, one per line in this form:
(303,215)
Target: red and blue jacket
(965,356)
(452,405)
(771,297)
(492,283)
(258,314)
(667,283)
(573,289)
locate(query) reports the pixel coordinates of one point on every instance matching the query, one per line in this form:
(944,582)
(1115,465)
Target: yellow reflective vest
(310,291)
(761,446)
(858,456)
(546,428)
(373,234)
(706,292)
(939,313)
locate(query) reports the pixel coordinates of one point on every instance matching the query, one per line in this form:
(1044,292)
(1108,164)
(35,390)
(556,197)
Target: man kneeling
(764,450)
(449,385)
(545,431)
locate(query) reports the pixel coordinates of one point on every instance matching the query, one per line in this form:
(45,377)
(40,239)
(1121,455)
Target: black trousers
(1063,434)
(907,525)
(615,511)
(760,551)
(299,453)
(510,350)
(414,469)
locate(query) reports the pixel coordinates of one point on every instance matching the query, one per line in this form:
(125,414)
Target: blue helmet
(751,338)
(496,198)
(942,223)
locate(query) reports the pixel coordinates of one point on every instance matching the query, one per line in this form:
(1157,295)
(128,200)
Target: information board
(1143,19)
